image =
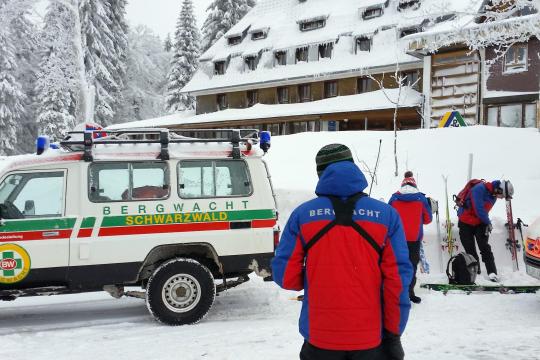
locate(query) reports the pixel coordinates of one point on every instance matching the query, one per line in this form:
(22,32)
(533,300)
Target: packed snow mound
(498,153)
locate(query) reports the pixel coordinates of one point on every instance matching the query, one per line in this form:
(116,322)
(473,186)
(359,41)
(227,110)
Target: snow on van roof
(343,22)
(374,100)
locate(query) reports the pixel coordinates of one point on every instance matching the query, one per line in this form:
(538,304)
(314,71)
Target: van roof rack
(158,136)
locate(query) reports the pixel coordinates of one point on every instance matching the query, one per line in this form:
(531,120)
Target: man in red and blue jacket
(474,220)
(415,212)
(355,286)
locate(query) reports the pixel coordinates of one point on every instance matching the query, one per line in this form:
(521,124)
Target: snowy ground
(258,321)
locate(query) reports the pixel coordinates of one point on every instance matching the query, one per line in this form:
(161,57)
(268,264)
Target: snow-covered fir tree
(57,85)
(185,59)
(167,44)
(222,15)
(24,34)
(148,63)
(99,56)
(119,31)
(11,97)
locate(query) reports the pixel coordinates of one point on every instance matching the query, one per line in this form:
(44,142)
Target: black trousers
(414,257)
(310,352)
(467,234)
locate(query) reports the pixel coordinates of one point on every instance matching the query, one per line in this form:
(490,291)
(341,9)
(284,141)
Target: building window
(363,85)
(251,62)
(515,59)
(222,102)
(283,95)
(408,4)
(325,50)
(219,67)
(252,97)
(408,31)
(372,12)
(312,25)
(304,92)
(281,57)
(234,40)
(330,89)
(411,79)
(258,35)
(512,115)
(302,54)
(363,43)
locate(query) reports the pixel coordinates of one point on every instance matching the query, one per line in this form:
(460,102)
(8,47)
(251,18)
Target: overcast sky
(161,15)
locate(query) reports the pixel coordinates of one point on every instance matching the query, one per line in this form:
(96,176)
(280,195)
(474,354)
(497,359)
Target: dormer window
(258,35)
(363,43)
(302,54)
(408,4)
(312,25)
(281,57)
(372,12)
(234,40)
(219,68)
(251,62)
(325,50)
(408,31)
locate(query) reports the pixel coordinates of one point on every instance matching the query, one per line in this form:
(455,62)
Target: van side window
(32,195)
(128,181)
(213,178)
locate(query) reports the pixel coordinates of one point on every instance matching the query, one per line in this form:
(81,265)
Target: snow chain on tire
(180,291)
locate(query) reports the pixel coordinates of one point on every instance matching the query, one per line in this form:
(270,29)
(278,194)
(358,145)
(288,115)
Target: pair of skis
(512,243)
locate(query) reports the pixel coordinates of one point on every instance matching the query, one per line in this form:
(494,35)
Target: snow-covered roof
(343,22)
(464,28)
(375,100)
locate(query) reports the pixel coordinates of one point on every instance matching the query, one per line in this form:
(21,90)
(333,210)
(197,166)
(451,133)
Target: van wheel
(180,291)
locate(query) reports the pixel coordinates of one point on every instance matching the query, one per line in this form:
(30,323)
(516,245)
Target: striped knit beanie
(330,154)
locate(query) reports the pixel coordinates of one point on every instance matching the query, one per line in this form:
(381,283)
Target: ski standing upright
(511,242)
(449,242)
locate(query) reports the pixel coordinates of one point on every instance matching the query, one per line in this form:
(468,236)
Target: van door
(35,233)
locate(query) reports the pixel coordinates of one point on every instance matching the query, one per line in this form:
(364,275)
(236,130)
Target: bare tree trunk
(395,126)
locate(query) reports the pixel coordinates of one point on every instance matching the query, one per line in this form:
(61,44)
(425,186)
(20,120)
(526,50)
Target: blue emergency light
(265,137)
(42,144)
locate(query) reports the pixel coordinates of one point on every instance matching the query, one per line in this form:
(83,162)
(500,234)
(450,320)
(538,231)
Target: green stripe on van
(195,217)
(37,225)
(88,222)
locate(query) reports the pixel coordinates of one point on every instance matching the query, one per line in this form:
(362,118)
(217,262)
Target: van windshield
(29,195)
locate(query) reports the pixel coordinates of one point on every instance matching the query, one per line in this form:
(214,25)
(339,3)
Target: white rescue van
(181,217)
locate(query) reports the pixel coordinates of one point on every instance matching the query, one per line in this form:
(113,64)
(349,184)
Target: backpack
(461,198)
(464,269)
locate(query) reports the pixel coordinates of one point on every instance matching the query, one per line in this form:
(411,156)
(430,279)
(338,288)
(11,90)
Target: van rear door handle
(240,225)
(50,233)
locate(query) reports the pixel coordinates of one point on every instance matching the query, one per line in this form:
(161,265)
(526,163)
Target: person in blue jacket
(415,211)
(474,222)
(348,253)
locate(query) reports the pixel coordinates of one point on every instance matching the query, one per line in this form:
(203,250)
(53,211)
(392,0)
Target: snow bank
(499,153)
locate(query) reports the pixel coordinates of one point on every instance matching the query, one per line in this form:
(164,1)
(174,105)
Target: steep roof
(343,22)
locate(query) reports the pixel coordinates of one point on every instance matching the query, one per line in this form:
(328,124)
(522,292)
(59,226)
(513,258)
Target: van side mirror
(29,207)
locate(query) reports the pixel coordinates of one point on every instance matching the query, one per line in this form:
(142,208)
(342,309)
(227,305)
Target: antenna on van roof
(164,137)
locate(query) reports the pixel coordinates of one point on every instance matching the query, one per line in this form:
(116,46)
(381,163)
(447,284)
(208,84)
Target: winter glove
(434,204)
(391,345)
(489,227)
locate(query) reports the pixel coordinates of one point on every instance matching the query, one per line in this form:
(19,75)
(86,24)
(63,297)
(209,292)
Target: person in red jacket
(348,253)
(415,212)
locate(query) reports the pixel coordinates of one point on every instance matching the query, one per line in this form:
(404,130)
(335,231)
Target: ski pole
(376,165)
